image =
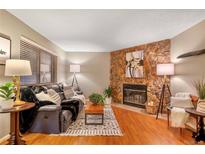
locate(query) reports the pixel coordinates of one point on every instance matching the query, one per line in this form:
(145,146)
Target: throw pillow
(68,92)
(54,96)
(44,97)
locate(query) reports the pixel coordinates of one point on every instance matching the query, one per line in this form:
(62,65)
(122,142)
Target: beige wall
(95,71)
(14,28)
(192,68)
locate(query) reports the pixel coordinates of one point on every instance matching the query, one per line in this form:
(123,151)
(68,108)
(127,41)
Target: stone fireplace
(135,95)
(154,53)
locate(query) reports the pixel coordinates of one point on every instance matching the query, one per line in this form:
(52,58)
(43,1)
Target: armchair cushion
(181,100)
(178,117)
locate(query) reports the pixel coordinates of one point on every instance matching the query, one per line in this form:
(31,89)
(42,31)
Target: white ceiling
(108,30)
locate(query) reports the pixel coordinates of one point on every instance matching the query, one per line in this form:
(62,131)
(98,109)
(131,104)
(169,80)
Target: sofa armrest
(79,92)
(47,120)
(68,101)
(49,108)
(44,103)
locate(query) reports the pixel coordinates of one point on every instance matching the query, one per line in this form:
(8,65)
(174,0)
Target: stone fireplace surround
(135,95)
(154,53)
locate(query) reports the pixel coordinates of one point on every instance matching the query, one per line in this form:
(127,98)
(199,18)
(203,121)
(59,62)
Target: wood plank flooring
(137,129)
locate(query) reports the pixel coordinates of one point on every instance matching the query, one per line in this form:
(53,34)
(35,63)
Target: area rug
(109,128)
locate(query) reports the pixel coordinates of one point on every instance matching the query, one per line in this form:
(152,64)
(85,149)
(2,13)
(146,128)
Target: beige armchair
(178,104)
(183,101)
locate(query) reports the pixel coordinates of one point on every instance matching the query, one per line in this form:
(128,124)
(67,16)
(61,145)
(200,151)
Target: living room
(101,77)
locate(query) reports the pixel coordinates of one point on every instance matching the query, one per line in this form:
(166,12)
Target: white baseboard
(5,138)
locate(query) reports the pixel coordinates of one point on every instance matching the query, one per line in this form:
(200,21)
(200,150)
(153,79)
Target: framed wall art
(5,49)
(135,64)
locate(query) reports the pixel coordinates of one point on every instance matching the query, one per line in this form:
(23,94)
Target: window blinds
(43,64)
(31,53)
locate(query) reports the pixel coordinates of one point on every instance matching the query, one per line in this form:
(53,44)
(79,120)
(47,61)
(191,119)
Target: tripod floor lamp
(164,70)
(74,68)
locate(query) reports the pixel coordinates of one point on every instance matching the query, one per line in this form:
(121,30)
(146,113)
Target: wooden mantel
(192,53)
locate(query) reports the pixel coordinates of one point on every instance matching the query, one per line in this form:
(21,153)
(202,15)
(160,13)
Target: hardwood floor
(137,129)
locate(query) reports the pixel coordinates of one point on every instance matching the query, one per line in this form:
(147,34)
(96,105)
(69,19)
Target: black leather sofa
(47,117)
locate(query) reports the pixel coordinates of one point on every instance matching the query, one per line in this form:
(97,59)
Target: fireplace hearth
(135,95)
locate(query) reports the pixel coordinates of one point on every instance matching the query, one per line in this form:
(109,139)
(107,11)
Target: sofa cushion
(38,89)
(54,96)
(68,92)
(54,87)
(44,97)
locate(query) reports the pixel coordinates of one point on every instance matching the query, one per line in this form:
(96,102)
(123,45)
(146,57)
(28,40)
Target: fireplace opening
(135,95)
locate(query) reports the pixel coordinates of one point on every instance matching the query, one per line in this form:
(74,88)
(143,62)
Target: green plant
(6,90)
(108,92)
(200,88)
(96,98)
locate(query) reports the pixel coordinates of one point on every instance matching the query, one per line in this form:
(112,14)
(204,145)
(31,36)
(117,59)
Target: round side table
(200,134)
(15,138)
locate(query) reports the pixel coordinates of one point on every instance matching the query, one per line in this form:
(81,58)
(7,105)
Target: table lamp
(164,70)
(74,68)
(17,68)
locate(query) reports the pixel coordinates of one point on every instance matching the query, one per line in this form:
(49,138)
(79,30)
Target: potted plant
(200,88)
(108,93)
(6,95)
(96,98)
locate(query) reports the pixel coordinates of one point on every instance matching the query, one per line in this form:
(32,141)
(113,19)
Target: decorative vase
(6,104)
(108,100)
(201,106)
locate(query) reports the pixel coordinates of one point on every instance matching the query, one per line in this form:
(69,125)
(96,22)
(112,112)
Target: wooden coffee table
(93,110)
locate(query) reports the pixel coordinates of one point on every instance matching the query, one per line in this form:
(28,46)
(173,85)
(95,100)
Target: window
(45,67)
(43,64)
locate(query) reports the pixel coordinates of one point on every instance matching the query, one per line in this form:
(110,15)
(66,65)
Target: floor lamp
(17,68)
(74,68)
(164,70)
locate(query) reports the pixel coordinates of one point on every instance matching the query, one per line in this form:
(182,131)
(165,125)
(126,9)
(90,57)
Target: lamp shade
(74,68)
(17,67)
(165,69)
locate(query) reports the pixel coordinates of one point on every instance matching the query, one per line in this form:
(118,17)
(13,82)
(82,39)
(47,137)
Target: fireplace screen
(135,95)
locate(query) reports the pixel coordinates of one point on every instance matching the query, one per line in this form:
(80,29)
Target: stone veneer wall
(154,53)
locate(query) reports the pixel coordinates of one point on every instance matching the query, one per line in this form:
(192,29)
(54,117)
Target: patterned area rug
(109,128)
